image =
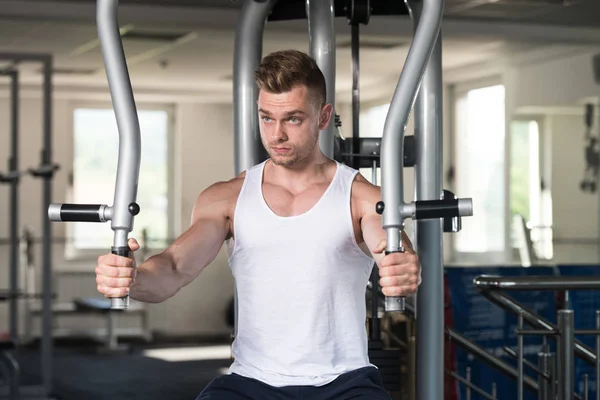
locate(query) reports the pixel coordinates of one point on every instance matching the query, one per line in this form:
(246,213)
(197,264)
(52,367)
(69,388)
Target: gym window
(370,124)
(530,198)
(95,156)
(480,169)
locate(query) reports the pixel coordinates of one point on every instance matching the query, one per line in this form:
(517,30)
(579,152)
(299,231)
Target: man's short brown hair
(283,70)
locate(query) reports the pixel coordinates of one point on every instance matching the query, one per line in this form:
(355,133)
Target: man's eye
(266,119)
(294,120)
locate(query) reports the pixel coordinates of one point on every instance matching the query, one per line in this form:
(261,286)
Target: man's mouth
(281,150)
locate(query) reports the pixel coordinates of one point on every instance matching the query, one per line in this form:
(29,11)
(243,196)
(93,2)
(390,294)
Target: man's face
(290,123)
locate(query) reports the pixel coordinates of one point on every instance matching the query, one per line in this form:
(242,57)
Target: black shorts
(361,384)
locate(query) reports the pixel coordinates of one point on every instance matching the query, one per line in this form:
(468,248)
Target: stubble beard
(295,157)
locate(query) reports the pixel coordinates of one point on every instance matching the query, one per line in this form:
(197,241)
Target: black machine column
(12,177)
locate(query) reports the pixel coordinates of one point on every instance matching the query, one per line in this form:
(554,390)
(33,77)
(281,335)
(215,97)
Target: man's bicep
(371,230)
(200,244)
(211,204)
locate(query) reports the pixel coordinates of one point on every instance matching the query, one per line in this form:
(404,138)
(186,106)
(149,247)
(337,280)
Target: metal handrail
(506,302)
(488,358)
(510,352)
(471,386)
(524,283)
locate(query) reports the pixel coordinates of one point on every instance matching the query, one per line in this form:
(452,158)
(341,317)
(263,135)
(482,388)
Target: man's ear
(325,116)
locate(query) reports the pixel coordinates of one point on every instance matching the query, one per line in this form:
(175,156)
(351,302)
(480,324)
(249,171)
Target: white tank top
(301,283)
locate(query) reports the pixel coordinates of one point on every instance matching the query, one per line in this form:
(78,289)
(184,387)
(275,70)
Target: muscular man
(302,236)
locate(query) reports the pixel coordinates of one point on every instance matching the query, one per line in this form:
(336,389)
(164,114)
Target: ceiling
(185,47)
(572,12)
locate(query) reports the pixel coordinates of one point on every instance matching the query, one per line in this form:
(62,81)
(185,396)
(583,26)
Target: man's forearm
(156,279)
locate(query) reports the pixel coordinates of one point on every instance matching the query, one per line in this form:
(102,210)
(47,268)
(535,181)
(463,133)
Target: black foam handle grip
(80,212)
(431,209)
(400,250)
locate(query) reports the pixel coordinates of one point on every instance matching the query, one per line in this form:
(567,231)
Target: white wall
(205,153)
(561,81)
(575,213)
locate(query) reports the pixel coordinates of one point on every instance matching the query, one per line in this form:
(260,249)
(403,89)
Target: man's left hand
(400,273)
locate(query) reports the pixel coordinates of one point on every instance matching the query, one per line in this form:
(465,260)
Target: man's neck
(300,175)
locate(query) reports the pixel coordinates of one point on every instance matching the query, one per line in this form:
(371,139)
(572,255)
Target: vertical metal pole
(375,323)
(597,355)
(566,354)
(552,372)
(412,362)
(585,387)
(354,29)
(248,149)
(543,384)
(374,173)
(13,168)
(428,122)
(47,343)
(520,359)
(468,387)
(321,31)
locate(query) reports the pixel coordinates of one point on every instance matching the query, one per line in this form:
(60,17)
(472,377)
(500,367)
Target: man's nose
(278,133)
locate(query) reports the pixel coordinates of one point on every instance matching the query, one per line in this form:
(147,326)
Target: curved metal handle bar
(392,146)
(121,92)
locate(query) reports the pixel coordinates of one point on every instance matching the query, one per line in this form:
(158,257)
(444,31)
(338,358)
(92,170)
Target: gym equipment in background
(12,177)
(124,208)
(592,153)
(44,171)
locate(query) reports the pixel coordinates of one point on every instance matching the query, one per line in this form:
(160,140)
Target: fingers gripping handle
(395,303)
(120,303)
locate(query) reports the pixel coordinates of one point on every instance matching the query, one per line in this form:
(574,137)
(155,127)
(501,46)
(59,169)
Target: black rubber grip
(401,250)
(80,212)
(123,251)
(429,209)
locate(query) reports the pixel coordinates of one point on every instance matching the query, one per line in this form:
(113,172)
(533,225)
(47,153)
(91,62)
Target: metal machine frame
(12,178)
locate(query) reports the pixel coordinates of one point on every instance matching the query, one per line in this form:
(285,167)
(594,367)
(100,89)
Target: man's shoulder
(363,189)
(364,196)
(227,190)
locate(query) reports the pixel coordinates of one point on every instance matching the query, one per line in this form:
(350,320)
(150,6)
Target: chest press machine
(420,85)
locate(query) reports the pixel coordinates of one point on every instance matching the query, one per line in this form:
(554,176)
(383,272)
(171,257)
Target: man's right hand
(115,274)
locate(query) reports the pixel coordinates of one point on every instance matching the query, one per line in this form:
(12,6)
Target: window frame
(72,253)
